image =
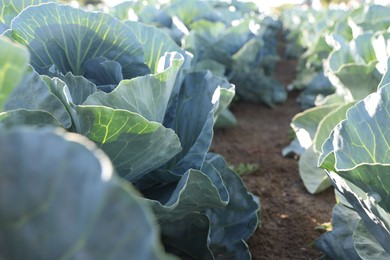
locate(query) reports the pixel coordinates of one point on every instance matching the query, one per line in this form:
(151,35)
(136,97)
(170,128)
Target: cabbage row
(105,130)
(230,38)
(344,140)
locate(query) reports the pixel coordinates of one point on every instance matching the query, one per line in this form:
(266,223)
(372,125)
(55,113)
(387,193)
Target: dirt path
(289,214)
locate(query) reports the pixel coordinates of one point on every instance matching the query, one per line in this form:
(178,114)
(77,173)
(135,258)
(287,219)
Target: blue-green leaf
(187,237)
(11,8)
(146,95)
(366,245)
(194,193)
(34,94)
(352,69)
(16,117)
(238,220)
(70,39)
(338,243)
(314,178)
(79,88)
(357,158)
(135,145)
(363,138)
(13,64)
(65,202)
(195,135)
(327,124)
(177,207)
(305,124)
(386,77)
(156,43)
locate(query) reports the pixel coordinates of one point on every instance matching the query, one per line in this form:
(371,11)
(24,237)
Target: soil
(289,214)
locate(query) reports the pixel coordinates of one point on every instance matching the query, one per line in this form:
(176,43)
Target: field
(192,129)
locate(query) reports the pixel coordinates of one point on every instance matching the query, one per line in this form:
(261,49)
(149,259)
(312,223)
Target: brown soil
(289,214)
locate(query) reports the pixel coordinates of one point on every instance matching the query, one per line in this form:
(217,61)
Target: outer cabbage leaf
(225,119)
(13,64)
(156,43)
(132,142)
(305,124)
(314,178)
(174,207)
(386,77)
(19,89)
(3,28)
(312,127)
(293,149)
(63,39)
(34,94)
(226,92)
(333,99)
(135,145)
(201,90)
(381,44)
(71,201)
(198,90)
(146,95)
(356,156)
(217,192)
(236,222)
(363,137)
(327,124)
(15,117)
(79,88)
(187,237)
(352,69)
(354,75)
(11,8)
(366,245)
(374,216)
(339,243)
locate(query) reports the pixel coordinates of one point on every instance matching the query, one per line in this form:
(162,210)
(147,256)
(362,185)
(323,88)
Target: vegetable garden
(153,130)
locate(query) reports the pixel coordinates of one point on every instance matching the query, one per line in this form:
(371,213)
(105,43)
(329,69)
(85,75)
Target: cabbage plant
(306,32)
(354,68)
(65,202)
(346,136)
(356,159)
(230,38)
(128,88)
(60,194)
